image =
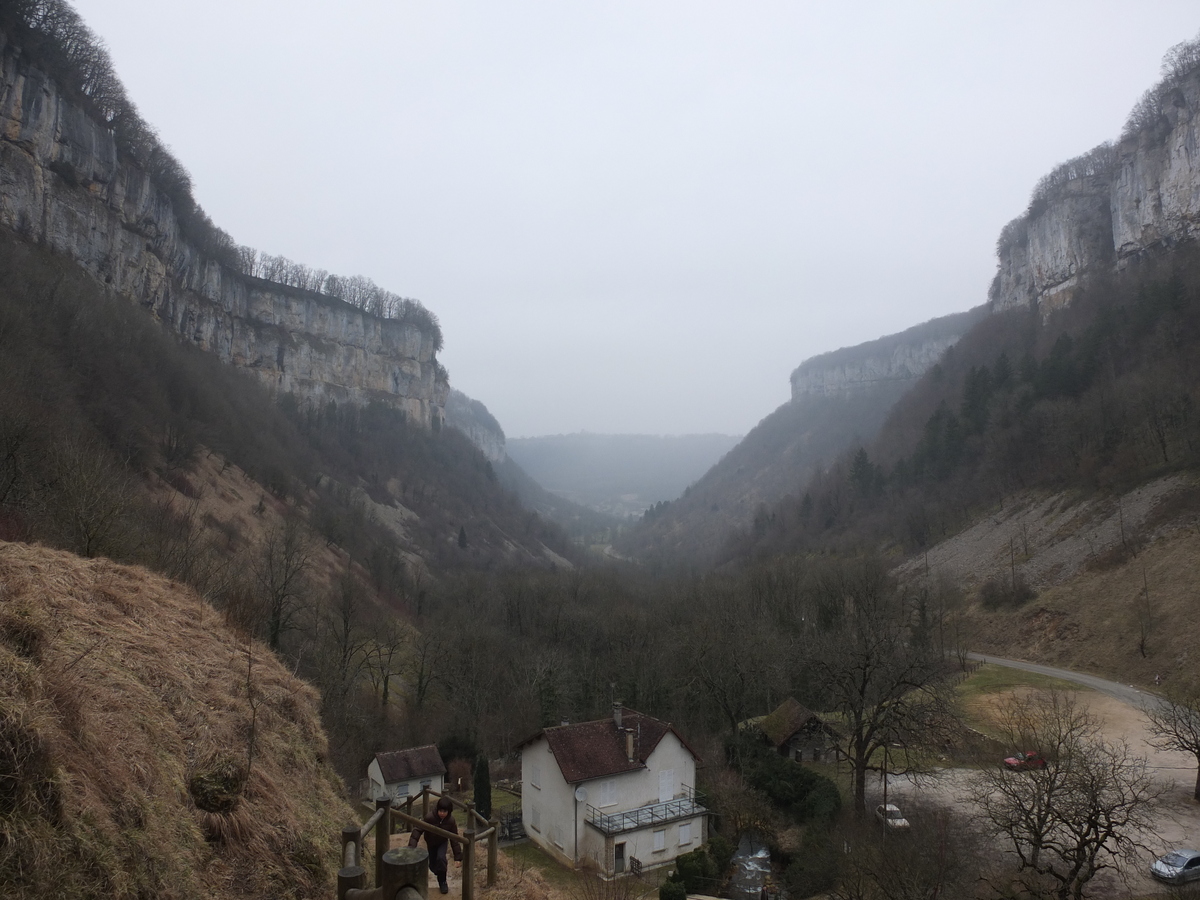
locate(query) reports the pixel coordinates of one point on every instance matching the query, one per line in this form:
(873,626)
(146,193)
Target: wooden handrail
(352,879)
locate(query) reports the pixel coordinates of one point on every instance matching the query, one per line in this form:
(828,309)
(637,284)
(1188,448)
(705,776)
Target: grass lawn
(993,679)
(979,693)
(505,801)
(528,855)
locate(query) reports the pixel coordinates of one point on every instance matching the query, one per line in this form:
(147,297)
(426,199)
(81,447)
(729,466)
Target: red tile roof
(416,762)
(596,749)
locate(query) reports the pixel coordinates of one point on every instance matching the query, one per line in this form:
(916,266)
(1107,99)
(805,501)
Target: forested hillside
(839,399)
(1094,398)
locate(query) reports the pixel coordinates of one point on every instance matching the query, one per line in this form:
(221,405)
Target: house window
(555,835)
(660,840)
(608,792)
(535,775)
(535,818)
(426,782)
(666,785)
(685,833)
(402,790)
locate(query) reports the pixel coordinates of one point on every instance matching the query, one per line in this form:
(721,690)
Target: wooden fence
(352,878)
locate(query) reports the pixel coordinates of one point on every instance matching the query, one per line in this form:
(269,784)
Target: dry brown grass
(125,706)
(1131,619)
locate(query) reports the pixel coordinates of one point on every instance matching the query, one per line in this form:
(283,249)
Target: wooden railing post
(424,803)
(493,851)
(468,866)
(383,836)
(352,874)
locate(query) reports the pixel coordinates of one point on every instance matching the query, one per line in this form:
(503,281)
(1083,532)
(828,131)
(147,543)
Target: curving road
(1126,693)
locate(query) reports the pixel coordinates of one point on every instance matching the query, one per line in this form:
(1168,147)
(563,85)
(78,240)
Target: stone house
(799,733)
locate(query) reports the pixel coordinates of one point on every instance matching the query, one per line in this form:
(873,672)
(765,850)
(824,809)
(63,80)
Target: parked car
(1177,867)
(1030,759)
(891,817)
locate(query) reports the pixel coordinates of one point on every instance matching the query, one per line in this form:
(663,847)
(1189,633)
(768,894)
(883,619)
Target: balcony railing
(683,807)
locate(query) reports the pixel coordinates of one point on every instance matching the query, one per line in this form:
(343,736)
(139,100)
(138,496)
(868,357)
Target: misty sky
(637,216)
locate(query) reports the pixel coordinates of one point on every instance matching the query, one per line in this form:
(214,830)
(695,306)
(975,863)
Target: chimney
(629,743)
(617,714)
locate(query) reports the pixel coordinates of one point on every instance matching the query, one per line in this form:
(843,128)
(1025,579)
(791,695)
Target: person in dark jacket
(442,817)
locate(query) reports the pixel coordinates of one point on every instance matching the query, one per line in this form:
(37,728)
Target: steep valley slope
(147,750)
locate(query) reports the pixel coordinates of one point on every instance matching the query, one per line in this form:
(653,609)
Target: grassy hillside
(146,750)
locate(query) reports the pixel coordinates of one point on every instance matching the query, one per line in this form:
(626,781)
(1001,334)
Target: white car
(889,814)
(1177,867)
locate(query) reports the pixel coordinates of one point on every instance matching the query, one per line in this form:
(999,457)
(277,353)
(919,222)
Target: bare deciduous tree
(1175,722)
(885,683)
(1086,811)
(280,569)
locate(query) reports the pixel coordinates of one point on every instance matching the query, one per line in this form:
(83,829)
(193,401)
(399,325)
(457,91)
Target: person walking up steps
(442,817)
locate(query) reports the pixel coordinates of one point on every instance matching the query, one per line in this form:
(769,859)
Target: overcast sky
(637,217)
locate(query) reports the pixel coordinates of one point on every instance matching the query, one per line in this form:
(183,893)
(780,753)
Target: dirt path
(1119,709)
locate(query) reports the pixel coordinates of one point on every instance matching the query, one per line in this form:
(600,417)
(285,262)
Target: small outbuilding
(799,733)
(403,773)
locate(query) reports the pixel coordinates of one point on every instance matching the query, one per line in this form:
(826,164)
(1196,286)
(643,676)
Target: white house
(402,773)
(618,792)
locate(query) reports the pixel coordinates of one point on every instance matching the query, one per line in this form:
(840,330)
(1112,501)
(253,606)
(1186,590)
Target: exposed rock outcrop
(473,419)
(902,357)
(1109,207)
(64,183)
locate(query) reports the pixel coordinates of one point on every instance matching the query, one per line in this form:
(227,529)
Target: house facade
(403,773)
(617,792)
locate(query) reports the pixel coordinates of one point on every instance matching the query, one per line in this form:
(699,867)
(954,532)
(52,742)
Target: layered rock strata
(64,184)
(896,359)
(1145,198)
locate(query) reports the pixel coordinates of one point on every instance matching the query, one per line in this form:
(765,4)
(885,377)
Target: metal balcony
(655,814)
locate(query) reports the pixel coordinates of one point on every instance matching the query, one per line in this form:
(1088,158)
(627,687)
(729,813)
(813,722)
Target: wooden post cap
(406,856)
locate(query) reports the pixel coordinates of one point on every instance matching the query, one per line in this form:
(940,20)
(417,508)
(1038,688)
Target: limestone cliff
(473,419)
(897,358)
(63,183)
(1114,204)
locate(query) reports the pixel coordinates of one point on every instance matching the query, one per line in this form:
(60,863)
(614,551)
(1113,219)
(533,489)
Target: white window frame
(401,790)
(666,780)
(608,793)
(660,840)
(535,775)
(535,817)
(685,833)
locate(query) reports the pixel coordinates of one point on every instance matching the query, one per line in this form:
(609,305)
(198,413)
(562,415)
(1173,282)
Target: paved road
(1126,693)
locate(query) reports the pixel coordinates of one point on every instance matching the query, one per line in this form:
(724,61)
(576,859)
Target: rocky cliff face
(473,419)
(897,358)
(1142,198)
(64,184)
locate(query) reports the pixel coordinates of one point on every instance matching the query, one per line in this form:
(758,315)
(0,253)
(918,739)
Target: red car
(1028,760)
